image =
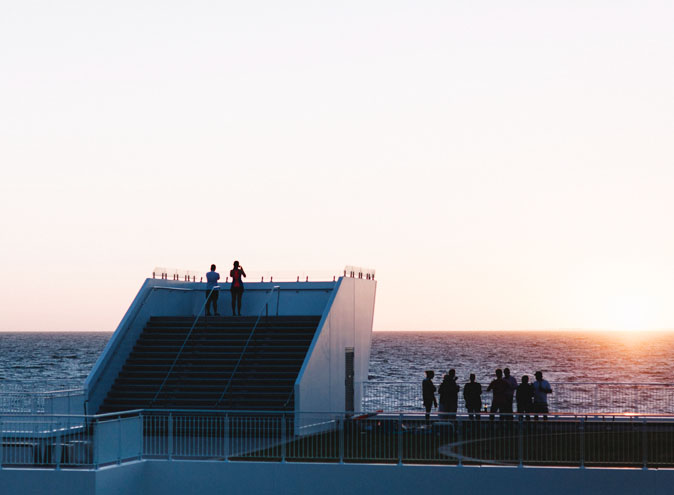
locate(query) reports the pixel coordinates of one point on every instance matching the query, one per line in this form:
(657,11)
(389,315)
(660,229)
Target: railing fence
(584,397)
(89,442)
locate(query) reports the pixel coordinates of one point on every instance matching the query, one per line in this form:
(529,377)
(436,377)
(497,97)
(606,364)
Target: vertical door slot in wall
(348,379)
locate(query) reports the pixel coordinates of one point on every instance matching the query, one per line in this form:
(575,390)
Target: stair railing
(290,396)
(245,347)
(196,319)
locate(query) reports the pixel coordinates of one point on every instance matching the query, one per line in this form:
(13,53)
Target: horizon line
(580,329)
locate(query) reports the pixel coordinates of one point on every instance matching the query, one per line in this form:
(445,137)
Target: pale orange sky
(500,167)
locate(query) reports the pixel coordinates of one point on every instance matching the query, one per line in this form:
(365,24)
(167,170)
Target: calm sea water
(67,357)
(562,356)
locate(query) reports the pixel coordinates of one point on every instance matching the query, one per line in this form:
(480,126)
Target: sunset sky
(502,165)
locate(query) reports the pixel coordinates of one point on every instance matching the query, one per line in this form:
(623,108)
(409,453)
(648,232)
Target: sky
(502,165)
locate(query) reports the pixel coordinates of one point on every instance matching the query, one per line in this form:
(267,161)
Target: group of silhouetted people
(236,289)
(531,398)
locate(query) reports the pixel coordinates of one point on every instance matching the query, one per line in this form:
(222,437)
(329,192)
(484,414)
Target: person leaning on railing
(428,393)
(472,392)
(449,394)
(541,390)
(525,396)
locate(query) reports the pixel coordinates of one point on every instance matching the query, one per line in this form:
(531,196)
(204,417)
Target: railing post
(170,436)
(520,440)
(645,443)
(582,442)
(283,438)
(96,444)
(57,447)
(400,439)
(278,300)
(226,438)
(119,440)
(459,438)
(341,440)
(141,435)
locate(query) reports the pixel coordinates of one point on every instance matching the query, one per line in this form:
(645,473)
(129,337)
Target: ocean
(65,358)
(563,356)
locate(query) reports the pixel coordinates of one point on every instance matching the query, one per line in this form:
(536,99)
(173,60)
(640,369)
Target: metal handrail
(411,414)
(196,319)
(243,351)
(95,441)
(626,384)
(290,395)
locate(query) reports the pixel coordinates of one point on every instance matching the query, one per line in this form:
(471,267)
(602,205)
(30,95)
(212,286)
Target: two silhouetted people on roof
(236,289)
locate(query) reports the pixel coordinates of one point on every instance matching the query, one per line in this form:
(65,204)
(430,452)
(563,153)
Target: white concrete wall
(170,298)
(347,322)
(246,478)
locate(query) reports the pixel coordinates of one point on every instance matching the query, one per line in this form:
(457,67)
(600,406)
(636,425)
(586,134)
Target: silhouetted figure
(449,394)
(212,278)
(428,392)
(499,387)
(512,386)
(472,392)
(525,396)
(236,288)
(541,390)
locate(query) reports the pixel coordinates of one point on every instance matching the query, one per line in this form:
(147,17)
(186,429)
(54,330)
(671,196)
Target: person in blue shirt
(541,389)
(212,278)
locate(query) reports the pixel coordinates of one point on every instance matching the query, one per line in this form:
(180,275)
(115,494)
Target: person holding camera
(449,394)
(236,288)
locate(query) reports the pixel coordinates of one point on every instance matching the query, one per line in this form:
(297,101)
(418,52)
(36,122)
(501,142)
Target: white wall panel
(347,322)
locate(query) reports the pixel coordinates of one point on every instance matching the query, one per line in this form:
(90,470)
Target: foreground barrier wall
(171,298)
(233,478)
(346,324)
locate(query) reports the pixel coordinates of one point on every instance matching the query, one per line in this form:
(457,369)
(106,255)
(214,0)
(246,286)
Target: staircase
(207,365)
